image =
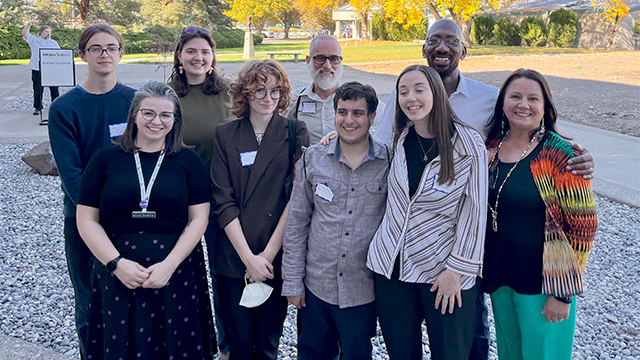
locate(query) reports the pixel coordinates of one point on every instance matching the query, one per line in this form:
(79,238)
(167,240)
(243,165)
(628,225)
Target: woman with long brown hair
(428,249)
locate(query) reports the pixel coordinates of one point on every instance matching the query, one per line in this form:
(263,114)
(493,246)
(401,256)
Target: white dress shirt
(472,101)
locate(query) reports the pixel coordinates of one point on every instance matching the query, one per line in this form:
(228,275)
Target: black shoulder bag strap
(295,114)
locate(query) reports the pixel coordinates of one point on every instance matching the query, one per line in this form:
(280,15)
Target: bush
(67,38)
(12,45)
(482,29)
(636,28)
(533,32)
(384,29)
(562,28)
(506,33)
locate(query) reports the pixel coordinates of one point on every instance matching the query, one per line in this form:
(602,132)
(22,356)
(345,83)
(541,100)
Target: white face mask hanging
(255,294)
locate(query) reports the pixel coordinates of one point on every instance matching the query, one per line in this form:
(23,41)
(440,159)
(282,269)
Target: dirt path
(597,89)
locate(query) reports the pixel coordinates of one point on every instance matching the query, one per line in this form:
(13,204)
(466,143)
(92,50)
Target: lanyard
(146,191)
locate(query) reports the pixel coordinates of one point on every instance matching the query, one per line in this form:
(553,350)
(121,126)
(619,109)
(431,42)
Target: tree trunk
(465,25)
(286,28)
(434,10)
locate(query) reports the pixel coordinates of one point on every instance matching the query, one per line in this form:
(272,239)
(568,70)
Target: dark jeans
(38,90)
(480,347)
(402,307)
(324,324)
(79,259)
(252,333)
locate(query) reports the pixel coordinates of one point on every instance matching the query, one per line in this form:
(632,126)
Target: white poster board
(57,67)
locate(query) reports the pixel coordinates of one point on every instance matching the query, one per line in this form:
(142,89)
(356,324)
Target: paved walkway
(617,156)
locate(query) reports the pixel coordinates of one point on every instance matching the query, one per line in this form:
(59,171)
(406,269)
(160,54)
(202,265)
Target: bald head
(324,39)
(446,25)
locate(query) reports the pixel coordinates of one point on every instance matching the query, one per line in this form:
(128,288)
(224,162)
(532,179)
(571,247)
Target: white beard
(324,82)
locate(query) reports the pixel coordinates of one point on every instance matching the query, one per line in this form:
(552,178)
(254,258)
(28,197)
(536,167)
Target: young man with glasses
(42,41)
(313,104)
(81,122)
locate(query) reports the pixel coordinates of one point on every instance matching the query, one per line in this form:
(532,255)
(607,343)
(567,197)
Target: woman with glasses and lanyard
(253,156)
(143,208)
(203,96)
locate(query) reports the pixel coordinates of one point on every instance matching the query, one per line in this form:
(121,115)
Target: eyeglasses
(450,41)
(149,115)
(98,51)
(194,29)
(274,94)
(333,59)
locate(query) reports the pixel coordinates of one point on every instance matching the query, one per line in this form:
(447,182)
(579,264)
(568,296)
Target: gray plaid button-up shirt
(326,242)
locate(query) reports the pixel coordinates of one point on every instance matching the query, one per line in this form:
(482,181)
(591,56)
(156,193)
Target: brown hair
(95,29)
(213,83)
(254,75)
(550,113)
(441,120)
(173,141)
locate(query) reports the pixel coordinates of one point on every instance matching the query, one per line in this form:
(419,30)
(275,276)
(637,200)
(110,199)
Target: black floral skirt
(174,322)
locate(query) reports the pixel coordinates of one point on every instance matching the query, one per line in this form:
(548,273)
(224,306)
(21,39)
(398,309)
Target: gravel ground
(36,298)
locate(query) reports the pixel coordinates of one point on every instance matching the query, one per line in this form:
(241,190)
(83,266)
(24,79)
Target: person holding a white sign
(81,122)
(42,41)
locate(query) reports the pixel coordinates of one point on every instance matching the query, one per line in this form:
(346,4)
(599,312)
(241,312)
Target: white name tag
(444,188)
(324,193)
(116,130)
(248,158)
(309,107)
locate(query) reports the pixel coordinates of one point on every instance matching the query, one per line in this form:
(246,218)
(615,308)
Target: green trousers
(523,333)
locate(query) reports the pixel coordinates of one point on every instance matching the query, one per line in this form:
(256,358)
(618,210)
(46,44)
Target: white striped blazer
(441,226)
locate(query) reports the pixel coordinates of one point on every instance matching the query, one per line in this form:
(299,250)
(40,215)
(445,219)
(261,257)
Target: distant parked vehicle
(268,33)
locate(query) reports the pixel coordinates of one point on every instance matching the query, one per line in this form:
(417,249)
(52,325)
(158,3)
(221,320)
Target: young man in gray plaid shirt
(337,203)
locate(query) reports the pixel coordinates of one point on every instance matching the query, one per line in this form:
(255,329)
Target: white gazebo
(345,13)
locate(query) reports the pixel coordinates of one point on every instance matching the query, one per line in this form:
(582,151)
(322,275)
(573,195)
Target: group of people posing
(462,189)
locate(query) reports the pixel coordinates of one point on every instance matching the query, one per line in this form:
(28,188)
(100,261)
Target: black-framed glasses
(194,29)
(274,94)
(333,59)
(149,115)
(97,51)
(450,41)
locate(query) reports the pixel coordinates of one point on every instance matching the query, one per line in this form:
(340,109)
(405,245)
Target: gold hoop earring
(210,71)
(181,69)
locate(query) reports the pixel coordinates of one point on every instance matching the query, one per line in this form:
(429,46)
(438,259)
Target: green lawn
(381,51)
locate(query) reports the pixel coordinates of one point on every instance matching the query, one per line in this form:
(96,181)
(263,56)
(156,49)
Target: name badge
(309,107)
(143,214)
(247,158)
(443,188)
(324,193)
(116,130)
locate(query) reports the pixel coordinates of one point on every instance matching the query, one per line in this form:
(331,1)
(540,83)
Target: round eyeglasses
(333,59)
(149,115)
(274,94)
(97,51)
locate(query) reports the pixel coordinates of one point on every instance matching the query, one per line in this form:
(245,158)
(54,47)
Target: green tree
(213,13)
(13,12)
(118,12)
(285,13)
(48,12)
(506,33)
(562,28)
(259,11)
(533,32)
(482,29)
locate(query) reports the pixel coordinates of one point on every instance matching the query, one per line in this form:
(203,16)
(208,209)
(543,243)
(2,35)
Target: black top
(415,157)
(110,183)
(513,255)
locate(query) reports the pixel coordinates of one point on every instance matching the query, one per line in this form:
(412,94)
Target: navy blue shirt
(80,124)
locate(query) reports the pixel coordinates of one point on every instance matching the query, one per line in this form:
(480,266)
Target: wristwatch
(113,264)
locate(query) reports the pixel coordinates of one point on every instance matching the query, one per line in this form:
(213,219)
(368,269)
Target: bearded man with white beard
(313,104)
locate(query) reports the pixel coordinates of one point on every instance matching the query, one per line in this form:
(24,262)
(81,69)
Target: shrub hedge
(506,33)
(482,29)
(384,29)
(151,40)
(533,32)
(562,28)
